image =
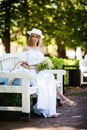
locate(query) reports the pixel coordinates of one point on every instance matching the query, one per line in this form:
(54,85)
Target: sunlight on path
(57,128)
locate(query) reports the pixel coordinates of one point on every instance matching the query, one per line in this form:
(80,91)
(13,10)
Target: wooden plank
(10,89)
(7,108)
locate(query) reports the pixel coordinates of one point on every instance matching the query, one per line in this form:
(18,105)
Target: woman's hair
(29,41)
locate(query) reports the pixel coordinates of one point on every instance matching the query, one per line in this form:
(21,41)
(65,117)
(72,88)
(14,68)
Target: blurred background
(63,23)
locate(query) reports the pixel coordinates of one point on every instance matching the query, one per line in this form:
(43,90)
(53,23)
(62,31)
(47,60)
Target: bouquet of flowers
(45,64)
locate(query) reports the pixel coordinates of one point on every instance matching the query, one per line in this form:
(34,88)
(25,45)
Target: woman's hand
(25,65)
(34,67)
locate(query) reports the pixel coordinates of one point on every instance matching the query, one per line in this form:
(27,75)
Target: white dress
(46,100)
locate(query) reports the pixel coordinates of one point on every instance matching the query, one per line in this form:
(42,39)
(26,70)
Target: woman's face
(35,39)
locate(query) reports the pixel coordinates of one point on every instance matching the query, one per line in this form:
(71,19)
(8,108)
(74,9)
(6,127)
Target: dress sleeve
(23,57)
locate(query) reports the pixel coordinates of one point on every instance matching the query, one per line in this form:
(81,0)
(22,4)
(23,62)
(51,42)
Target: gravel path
(72,118)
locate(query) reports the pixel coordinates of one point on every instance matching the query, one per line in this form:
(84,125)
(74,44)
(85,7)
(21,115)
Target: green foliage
(72,62)
(57,62)
(65,21)
(10,99)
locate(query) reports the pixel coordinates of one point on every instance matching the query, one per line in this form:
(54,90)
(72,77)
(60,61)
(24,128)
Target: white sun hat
(36,31)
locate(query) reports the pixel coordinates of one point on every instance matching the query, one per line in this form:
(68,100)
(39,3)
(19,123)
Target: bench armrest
(24,75)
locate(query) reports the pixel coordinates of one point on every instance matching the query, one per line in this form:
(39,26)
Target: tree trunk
(61,52)
(6,32)
(61,49)
(6,41)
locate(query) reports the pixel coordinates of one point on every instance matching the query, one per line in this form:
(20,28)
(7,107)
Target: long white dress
(46,100)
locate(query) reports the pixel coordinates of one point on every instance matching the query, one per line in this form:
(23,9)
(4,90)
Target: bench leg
(25,116)
(58,103)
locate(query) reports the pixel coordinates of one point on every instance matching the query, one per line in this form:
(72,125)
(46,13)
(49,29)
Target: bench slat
(24,75)
(83,69)
(10,89)
(3,108)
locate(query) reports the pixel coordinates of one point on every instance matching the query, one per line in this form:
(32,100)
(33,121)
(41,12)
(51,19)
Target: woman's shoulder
(26,48)
(40,49)
(34,50)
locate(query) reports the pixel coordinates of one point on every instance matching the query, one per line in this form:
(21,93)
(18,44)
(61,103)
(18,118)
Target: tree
(65,21)
(6,6)
(9,12)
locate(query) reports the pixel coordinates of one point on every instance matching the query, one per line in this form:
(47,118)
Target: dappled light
(50,128)
(70,54)
(61,21)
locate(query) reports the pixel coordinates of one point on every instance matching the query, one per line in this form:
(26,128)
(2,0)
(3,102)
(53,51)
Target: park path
(72,118)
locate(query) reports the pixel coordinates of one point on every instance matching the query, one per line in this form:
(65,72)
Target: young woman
(46,100)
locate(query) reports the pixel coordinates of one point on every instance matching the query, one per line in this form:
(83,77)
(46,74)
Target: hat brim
(30,32)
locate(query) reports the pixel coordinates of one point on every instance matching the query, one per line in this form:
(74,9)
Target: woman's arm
(25,65)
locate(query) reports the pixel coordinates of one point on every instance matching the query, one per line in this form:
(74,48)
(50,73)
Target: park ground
(72,118)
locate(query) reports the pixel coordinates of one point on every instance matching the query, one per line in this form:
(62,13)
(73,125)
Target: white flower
(45,64)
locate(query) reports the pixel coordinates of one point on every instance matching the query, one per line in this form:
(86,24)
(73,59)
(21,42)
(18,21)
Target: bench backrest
(7,61)
(83,65)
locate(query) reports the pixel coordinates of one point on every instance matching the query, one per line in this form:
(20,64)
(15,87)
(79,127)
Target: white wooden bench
(9,60)
(83,68)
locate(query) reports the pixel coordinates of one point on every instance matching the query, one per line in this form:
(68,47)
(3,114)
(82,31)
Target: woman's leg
(64,100)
